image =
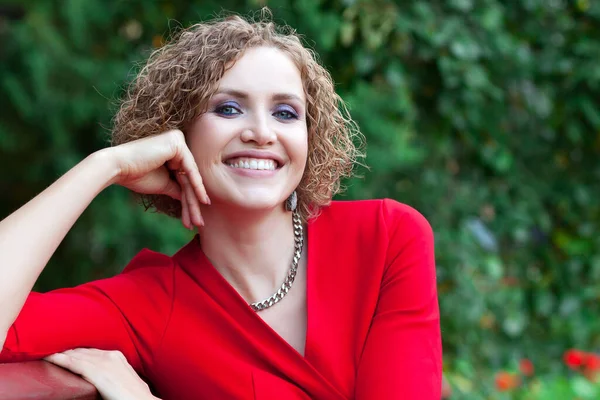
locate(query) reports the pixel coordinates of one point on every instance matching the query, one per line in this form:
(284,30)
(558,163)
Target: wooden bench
(41,380)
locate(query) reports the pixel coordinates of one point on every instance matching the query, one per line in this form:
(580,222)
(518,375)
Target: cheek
(299,147)
(206,139)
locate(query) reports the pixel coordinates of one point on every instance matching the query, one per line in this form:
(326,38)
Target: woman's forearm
(30,235)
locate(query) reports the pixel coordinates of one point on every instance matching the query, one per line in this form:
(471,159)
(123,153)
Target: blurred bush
(484,115)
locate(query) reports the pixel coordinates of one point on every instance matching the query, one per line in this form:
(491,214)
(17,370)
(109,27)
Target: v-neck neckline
(216,275)
(267,341)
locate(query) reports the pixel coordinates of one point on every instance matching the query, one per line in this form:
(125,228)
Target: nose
(259,132)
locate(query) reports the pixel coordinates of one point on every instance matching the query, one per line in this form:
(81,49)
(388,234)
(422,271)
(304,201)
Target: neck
(253,250)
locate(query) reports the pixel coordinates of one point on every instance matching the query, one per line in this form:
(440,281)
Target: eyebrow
(242,95)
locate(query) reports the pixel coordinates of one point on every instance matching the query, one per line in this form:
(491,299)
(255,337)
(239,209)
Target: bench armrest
(42,380)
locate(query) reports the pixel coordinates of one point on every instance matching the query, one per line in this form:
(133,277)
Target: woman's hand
(108,371)
(147,166)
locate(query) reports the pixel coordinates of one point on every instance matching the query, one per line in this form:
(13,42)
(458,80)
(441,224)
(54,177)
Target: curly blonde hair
(174,87)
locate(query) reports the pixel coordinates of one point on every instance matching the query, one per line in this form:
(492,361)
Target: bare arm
(30,235)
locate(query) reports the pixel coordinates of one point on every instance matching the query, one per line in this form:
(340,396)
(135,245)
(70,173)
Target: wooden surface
(42,380)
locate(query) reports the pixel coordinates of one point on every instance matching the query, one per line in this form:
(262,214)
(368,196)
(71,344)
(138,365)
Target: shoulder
(387,214)
(147,272)
(149,261)
(143,292)
(402,218)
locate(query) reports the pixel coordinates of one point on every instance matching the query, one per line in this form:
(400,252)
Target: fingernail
(207,200)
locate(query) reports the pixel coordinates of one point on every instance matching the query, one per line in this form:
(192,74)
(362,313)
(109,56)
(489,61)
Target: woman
(236,129)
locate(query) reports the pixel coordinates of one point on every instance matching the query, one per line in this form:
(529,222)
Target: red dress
(372,331)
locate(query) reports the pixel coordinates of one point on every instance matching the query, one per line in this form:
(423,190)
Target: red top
(373,322)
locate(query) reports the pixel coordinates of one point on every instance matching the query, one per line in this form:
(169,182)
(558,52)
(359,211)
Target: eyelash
(292,114)
(220,110)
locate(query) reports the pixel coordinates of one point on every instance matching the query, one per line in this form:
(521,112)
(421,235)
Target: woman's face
(251,145)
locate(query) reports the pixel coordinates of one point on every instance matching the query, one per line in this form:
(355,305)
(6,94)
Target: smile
(253,163)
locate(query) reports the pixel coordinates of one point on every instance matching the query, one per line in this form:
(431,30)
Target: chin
(259,202)
(249,199)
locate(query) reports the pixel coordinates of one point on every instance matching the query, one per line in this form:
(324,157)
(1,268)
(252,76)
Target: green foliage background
(482,114)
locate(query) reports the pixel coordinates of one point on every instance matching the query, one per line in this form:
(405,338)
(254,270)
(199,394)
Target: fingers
(194,178)
(193,205)
(108,371)
(184,164)
(193,191)
(185,215)
(171,188)
(77,360)
(186,218)
(67,361)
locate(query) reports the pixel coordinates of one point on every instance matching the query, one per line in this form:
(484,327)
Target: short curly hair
(174,86)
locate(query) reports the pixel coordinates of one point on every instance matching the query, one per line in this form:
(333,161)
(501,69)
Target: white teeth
(256,164)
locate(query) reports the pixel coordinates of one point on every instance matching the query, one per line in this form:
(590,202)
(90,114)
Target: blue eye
(286,113)
(227,109)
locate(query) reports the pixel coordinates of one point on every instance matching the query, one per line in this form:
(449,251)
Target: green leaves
(484,115)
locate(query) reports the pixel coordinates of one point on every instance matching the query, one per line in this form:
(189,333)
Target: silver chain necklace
(289,280)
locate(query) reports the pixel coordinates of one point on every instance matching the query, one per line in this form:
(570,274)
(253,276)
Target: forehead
(264,70)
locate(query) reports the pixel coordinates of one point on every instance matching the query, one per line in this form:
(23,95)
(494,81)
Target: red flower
(526,367)
(574,358)
(506,381)
(592,362)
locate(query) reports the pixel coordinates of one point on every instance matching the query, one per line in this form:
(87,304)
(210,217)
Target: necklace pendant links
(291,276)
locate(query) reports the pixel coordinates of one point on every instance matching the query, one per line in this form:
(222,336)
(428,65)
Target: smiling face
(251,144)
